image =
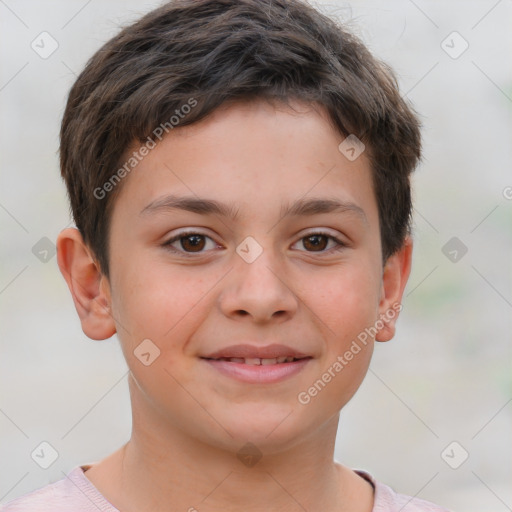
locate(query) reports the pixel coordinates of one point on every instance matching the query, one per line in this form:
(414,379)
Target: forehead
(255,157)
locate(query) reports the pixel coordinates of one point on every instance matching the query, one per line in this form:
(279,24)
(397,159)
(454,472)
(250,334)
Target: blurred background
(433,417)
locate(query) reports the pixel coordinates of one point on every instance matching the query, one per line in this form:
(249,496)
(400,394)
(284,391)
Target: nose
(258,291)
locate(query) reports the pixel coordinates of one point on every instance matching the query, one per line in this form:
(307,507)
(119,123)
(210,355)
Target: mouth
(257,361)
(258,365)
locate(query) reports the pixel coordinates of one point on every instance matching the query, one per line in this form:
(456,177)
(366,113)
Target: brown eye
(190,243)
(321,243)
(315,242)
(193,243)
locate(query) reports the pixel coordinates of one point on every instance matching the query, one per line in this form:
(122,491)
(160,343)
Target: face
(247,238)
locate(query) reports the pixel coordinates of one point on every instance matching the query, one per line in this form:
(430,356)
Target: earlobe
(88,286)
(395,275)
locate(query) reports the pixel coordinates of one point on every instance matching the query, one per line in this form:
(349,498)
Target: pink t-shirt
(75,493)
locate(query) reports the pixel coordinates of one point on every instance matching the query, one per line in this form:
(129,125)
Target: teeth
(255,361)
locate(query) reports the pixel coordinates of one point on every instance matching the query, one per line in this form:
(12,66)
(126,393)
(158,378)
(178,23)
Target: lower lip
(265,373)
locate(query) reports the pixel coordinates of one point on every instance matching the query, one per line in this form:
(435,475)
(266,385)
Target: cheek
(338,377)
(350,303)
(163,304)
(156,311)
(346,300)
(152,298)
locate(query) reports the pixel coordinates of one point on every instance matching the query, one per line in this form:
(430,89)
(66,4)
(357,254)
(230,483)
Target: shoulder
(387,500)
(47,498)
(73,492)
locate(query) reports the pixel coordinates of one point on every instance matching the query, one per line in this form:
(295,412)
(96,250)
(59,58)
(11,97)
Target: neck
(161,468)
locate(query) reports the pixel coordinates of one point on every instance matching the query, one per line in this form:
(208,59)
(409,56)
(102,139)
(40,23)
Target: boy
(238,171)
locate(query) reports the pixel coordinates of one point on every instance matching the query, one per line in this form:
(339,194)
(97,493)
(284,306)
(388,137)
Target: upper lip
(253,351)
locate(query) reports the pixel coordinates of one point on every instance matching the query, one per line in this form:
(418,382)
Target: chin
(270,427)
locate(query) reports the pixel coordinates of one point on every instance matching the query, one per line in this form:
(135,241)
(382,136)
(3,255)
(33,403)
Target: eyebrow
(202,206)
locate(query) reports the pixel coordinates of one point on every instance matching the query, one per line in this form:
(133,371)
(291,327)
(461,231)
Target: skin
(189,421)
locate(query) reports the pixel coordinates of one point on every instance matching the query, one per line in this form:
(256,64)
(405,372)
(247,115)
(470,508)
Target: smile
(258,370)
(255,361)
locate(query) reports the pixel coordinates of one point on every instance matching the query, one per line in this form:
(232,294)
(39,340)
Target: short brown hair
(213,51)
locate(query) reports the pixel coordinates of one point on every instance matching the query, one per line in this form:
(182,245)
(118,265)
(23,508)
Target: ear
(89,288)
(394,278)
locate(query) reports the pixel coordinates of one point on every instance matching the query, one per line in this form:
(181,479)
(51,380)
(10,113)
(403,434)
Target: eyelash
(167,245)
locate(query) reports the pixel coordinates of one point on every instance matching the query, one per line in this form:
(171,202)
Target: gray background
(446,375)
